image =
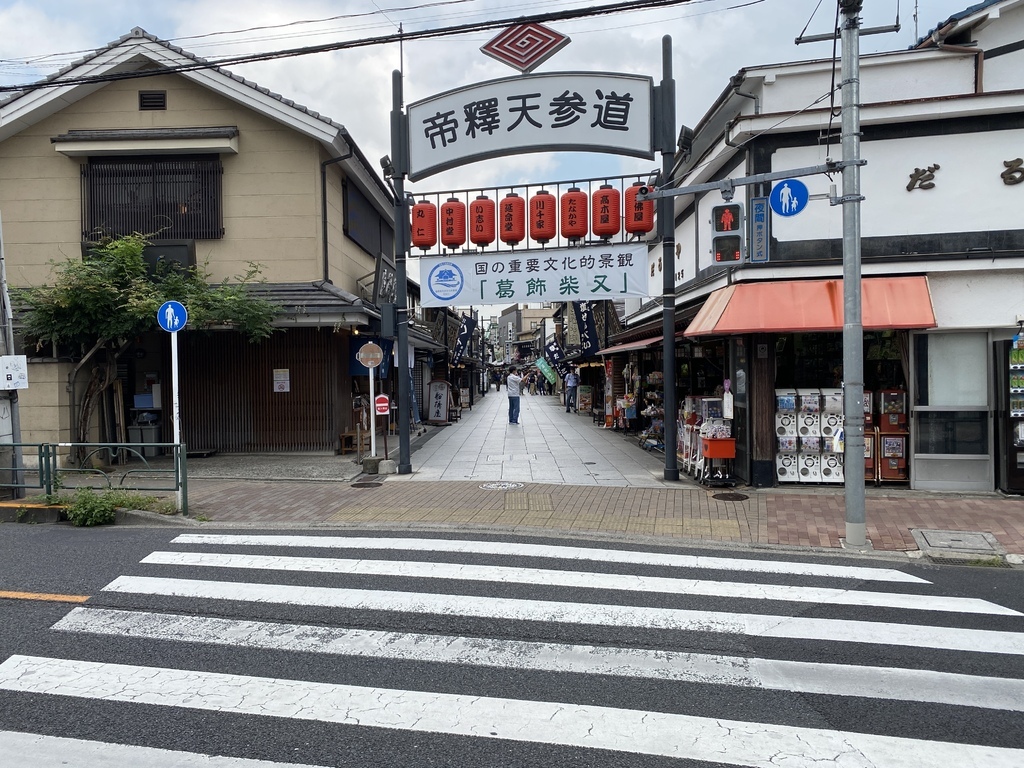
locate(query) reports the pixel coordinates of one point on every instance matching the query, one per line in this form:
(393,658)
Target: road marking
(758,625)
(767,674)
(583,580)
(44,596)
(562,553)
(565,724)
(29,749)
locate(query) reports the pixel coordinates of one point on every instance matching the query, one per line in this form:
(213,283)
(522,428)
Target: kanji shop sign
(564,111)
(565,274)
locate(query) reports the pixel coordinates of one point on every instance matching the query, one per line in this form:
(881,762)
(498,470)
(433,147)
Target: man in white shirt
(512,390)
(572,382)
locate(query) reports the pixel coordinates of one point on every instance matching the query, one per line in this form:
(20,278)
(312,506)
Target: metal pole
(400,161)
(666,130)
(853,331)
(175,409)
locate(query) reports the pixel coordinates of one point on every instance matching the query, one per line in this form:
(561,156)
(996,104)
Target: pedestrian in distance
(512,384)
(572,383)
(533,382)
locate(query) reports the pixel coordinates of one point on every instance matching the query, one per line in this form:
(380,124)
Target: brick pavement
(766,516)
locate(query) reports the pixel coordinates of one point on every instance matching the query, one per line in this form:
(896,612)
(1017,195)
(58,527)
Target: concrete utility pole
(666,133)
(400,167)
(853,329)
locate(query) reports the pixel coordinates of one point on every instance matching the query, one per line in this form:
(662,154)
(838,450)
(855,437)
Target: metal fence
(103,466)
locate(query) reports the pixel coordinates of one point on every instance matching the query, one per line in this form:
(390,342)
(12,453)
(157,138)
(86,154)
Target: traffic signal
(727,229)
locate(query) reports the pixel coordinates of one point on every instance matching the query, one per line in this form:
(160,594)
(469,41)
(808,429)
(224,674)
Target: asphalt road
(470,650)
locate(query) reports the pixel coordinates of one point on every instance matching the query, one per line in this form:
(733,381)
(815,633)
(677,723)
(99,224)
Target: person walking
(533,382)
(512,390)
(572,383)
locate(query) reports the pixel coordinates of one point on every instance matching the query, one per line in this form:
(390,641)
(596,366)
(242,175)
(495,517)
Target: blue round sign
(788,197)
(172,316)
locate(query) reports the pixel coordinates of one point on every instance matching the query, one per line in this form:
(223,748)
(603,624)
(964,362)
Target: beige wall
(271,197)
(43,407)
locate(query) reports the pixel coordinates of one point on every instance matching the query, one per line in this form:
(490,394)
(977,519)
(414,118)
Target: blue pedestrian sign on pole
(788,197)
(172,316)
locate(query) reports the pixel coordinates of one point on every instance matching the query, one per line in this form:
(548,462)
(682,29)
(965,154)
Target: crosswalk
(242,651)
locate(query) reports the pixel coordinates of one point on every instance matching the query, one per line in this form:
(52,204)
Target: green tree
(98,305)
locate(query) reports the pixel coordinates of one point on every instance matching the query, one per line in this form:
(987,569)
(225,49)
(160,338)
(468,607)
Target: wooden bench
(350,441)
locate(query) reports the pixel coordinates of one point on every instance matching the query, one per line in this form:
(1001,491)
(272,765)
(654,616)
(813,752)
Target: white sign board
(282,380)
(13,372)
(567,274)
(558,111)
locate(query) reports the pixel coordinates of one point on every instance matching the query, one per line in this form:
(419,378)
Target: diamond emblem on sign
(526,46)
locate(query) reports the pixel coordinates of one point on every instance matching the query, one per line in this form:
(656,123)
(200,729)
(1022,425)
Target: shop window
(951,393)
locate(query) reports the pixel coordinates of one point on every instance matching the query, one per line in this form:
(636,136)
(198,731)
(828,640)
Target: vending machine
(1010,414)
(892,410)
(786,469)
(831,412)
(892,465)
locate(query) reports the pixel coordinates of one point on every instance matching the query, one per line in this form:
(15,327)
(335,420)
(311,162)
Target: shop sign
(551,112)
(759,231)
(607,271)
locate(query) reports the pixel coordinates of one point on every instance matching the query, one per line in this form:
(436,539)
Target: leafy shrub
(90,508)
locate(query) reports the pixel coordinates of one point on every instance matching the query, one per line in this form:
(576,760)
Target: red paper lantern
(513,219)
(605,216)
(481,218)
(639,213)
(574,214)
(543,216)
(453,223)
(424,225)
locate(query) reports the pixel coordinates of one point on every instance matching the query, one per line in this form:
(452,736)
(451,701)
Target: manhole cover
(729,497)
(959,541)
(367,485)
(501,486)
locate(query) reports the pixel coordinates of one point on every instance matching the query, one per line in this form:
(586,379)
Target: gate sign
(172,316)
(788,197)
(552,112)
(382,405)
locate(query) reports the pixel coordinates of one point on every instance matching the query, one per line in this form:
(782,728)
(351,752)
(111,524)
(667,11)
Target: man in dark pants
(512,390)
(572,382)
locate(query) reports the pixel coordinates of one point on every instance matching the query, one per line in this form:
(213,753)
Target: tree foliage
(97,306)
(111,296)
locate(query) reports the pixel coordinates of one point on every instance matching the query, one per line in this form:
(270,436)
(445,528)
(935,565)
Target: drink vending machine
(1010,416)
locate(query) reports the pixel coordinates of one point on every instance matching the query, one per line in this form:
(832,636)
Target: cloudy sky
(712,40)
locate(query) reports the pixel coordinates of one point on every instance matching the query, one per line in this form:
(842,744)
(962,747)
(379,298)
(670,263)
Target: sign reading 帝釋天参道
(558,111)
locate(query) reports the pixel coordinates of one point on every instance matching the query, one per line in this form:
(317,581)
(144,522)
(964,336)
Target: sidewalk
(567,475)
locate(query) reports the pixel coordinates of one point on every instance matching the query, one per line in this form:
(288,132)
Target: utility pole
(853,329)
(666,133)
(400,167)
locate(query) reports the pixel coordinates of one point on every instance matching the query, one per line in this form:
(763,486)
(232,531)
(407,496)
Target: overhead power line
(604,10)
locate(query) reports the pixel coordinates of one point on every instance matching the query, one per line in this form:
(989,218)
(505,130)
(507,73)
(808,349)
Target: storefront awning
(887,303)
(633,345)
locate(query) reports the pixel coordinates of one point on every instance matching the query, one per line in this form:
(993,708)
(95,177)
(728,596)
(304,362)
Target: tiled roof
(957,17)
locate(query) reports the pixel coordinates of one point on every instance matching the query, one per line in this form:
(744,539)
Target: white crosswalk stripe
(177,635)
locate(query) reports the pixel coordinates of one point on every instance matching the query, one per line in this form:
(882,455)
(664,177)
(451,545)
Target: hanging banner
(584,314)
(553,352)
(462,342)
(545,368)
(551,112)
(606,271)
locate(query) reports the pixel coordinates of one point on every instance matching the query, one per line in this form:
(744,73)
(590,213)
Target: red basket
(718,448)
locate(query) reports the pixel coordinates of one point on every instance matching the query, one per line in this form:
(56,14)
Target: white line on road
(562,553)
(766,674)
(572,725)
(29,749)
(793,627)
(581,580)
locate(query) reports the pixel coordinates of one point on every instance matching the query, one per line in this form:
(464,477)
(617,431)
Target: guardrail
(103,466)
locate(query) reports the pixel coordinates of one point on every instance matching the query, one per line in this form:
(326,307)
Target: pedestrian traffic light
(727,228)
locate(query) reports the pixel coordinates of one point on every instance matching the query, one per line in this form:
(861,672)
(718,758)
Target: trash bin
(145,434)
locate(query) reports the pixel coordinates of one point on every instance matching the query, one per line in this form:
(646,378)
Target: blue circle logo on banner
(172,316)
(788,197)
(445,281)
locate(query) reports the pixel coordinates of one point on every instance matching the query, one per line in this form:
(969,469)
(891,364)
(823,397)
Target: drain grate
(978,562)
(730,497)
(367,485)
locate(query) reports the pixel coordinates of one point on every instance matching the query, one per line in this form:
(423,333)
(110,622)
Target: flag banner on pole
(606,271)
(553,352)
(584,314)
(462,342)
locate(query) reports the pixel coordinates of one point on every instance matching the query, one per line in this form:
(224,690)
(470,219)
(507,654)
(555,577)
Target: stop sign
(381,405)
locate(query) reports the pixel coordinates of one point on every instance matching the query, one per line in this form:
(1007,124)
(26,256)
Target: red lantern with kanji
(481,221)
(639,213)
(424,225)
(513,219)
(574,214)
(605,216)
(543,216)
(453,223)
